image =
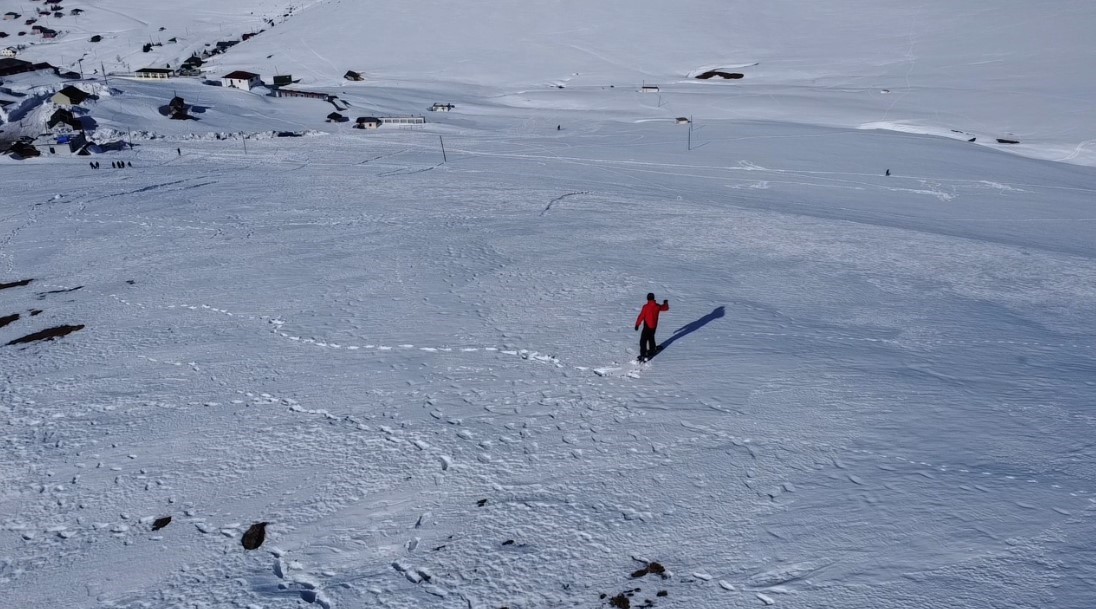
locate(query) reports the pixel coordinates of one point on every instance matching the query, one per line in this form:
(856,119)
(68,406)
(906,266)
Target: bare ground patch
(15,284)
(47,334)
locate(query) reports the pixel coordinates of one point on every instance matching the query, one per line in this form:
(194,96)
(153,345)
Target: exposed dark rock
(7,319)
(42,295)
(160,523)
(255,536)
(1001,140)
(720,74)
(15,284)
(651,569)
(620,601)
(47,334)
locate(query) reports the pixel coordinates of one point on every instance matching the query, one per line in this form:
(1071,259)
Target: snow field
(882,398)
(875,392)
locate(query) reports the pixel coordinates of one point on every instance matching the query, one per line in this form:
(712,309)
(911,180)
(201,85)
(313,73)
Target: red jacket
(649,314)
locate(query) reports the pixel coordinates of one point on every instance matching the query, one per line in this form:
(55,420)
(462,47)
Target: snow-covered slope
(1015,70)
(876,390)
(416,364)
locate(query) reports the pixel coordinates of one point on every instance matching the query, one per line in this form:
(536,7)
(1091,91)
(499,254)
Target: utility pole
(443,159)
(690,132)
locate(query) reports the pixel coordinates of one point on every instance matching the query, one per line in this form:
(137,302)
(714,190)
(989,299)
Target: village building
(9,16)
(64,116)
(367,122)
(70,96)
(78,144)
(649,89)
(335,117)
(154,73)
(283,80)
(403,120)
(352,75)
(283,92)
(439,107)
(23,150)
(10,66)
(178,109)
(8,52)
(241,80)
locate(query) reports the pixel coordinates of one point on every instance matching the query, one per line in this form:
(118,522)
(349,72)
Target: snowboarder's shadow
(691,327)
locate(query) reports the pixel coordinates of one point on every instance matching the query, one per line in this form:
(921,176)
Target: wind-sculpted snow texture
(422,382)
(418,371)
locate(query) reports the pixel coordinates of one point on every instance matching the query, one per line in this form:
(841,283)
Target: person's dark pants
(647,345)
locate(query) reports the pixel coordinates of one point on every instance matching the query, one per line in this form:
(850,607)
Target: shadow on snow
(691,327)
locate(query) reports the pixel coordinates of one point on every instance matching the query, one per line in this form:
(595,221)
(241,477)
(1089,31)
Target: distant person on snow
(648,316)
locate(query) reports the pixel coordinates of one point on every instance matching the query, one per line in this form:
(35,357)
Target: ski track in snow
(278,324)
(612,371)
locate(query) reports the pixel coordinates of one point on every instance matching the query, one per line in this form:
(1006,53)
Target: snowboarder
(648,316)
(887,173)
(179,151)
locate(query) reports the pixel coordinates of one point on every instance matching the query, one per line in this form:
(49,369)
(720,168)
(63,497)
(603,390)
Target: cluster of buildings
(281,87)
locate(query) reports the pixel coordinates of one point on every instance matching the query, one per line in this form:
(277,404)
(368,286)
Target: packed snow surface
(417,366)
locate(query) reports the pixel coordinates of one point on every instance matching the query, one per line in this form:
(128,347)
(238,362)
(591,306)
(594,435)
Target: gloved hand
(637,328)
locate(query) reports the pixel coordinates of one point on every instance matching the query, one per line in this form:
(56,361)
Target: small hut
(70,96)
(367,122)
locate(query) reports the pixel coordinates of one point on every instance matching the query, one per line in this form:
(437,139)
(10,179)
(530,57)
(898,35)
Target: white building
(154,73)
(241,80)
(8,52)
(649,88)
(403,120)
(367,122)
